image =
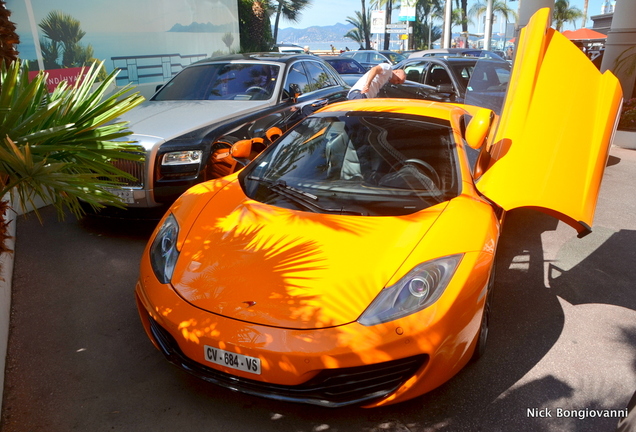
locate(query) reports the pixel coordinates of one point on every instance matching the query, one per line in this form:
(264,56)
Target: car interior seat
(342,160)
(413,75)
(439,77)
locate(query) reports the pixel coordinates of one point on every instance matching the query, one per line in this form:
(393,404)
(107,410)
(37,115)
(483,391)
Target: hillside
(315,34)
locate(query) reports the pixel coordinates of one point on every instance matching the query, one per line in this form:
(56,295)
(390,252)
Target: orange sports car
(352,261)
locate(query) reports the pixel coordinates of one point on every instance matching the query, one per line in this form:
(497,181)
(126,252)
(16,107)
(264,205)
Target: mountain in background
(196,27)
(315,34)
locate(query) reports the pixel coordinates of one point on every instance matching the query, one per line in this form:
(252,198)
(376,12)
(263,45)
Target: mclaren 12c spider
(351,262)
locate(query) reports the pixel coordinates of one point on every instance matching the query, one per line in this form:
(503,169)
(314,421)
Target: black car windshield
(378,164)
(346,66)
(236,81)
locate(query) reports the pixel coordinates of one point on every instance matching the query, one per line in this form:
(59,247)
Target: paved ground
(563,336)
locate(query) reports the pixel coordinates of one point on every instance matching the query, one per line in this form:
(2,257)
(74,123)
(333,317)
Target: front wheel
(482,337)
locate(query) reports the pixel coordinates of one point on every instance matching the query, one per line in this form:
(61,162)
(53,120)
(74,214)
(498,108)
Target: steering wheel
(422,166)
(256,90)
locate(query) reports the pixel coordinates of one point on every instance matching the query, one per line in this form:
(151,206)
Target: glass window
(238,81)
(371,164)
(362,57)
(297,75)
(415,71)
(319,77)
(378,58)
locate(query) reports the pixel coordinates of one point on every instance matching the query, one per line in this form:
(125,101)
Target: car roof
(416,107)
(275,57)
(454,60)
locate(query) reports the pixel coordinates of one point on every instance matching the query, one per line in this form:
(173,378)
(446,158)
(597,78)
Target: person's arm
(373,72)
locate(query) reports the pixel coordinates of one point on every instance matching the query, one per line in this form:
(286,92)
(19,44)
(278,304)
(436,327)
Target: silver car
(185,128)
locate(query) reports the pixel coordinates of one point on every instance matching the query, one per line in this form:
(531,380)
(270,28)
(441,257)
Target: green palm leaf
(58,146)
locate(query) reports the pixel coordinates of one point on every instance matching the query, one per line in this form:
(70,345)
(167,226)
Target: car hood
(272,266)
(169,119)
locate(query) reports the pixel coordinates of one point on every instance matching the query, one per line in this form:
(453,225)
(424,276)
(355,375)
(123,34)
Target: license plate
(125,196)
(232,360)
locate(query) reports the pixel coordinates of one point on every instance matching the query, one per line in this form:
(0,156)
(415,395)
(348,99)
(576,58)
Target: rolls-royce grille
(329,388)
(134,168)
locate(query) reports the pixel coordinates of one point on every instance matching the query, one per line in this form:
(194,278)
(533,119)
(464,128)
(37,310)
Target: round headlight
(419,287)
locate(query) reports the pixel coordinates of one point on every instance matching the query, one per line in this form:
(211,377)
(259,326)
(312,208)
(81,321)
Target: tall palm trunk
(388,10)
(279,11)
(584,13)
(365,27)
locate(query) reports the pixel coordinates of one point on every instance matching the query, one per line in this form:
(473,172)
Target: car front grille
(134,168)
(329,388)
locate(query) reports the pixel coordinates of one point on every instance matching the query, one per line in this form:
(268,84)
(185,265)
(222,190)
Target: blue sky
(328,12)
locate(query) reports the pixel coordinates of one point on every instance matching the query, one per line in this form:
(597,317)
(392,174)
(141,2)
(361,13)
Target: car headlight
(418,289)
(163,251)
(184,157)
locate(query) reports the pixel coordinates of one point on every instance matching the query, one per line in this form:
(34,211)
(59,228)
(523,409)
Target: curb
(6,277)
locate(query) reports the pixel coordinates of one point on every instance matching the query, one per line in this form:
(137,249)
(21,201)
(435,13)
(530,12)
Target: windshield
(376,164)
(236,81)
(347,66)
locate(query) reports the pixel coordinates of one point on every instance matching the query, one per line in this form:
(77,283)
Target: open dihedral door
(552,141)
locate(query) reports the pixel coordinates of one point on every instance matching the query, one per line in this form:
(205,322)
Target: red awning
(583,34)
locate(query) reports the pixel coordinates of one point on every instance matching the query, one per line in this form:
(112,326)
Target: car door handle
(319,103)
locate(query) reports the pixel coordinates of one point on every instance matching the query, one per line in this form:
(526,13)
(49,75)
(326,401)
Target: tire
(482,335)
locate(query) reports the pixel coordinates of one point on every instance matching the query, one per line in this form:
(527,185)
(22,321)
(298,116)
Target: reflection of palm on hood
(297,266)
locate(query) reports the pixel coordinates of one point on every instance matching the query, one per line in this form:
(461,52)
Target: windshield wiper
(298,196)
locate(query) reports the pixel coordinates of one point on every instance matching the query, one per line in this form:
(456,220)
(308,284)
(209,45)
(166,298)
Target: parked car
(447,79)
(461,52)
(211,104)
(370,58)
(288,49)
(348,68)
(352,262)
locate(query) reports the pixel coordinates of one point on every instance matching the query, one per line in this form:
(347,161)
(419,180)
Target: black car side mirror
(294,89)
(445,88)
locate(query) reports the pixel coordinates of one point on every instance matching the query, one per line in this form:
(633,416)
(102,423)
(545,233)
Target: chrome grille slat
(134,168)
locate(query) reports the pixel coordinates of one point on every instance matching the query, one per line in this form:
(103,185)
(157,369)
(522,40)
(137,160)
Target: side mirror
(478,128)
(158,87)
(445,88)
(294,89)
(241,149)
(273,134)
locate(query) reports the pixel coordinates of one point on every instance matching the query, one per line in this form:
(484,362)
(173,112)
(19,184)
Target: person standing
(369,84)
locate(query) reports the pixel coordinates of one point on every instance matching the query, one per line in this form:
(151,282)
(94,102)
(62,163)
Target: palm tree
(366,18)
(58,146)
(388,9)
(424,33)
(8,37)
(563,13)
(254,25)
(356,33)
(498,6)
(290,10)
(584,13)
(65,31)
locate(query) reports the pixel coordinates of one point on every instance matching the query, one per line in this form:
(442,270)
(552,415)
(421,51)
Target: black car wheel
(480,347)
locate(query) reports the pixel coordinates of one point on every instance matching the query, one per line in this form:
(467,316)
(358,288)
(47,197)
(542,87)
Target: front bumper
(332,367)
(331,388)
